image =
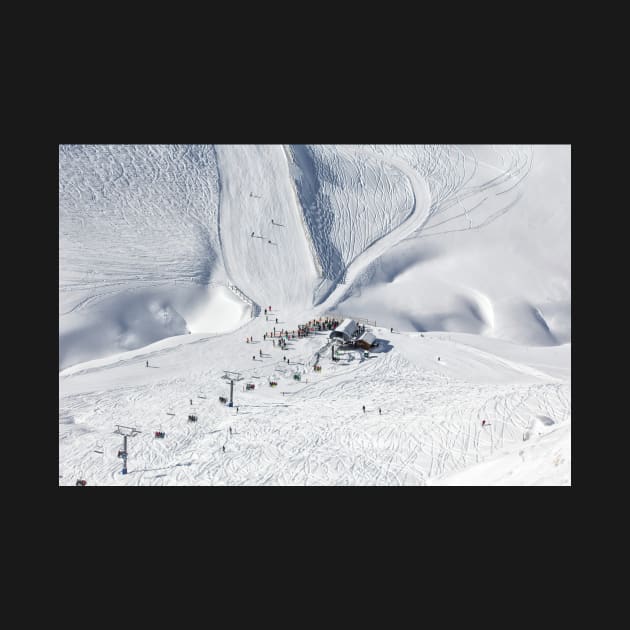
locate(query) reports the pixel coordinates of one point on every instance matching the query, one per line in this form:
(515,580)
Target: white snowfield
(464,251)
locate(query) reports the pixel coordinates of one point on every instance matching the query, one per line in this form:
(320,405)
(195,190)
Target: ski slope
(465,251)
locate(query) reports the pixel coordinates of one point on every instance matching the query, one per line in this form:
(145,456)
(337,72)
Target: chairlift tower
(125,432)
(232,376)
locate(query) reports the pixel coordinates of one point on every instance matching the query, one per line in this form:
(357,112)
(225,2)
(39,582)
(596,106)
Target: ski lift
(121,453)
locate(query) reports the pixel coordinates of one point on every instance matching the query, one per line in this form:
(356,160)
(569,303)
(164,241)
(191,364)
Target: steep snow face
(471,239)
(350,198)
(138,244)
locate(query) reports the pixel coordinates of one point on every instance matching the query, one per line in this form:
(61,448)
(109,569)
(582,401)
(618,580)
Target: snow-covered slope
(139,250)
(465,251)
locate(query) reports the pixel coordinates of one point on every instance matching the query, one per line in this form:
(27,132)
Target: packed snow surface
(171,254)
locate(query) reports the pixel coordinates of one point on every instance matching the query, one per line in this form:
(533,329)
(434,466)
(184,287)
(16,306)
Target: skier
(273,341)
(223,449)
(254,358)
(284,358)
(276,321)
(379,411)
(252,234)
(260,352)
(230,430)
(147,364)
(483,423)
(363,408)
(190,401)
(270,309)
(391,330)
(269,242)
(237,410)
(288,361)
(265,312)
(438,358)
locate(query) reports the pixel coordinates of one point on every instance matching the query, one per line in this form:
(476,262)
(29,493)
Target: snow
(464,251)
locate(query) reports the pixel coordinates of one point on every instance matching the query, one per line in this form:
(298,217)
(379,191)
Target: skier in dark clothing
(252,234)
(363,408)
(190,401)
(265,311)
(276,321)
(483,423)
(223,449)
(379,411)
(230,430)
(147,364)
(254,358)
(260,352)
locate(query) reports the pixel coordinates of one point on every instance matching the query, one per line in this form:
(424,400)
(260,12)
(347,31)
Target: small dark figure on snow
(190,400)
(260,352)
(230,430)
(252,234)
(379,411)
(483,423)
(363,408)
(438,358)
(254,358)
(276,322)
(284,358)
(265,311)
(269,242)
(237,410)
(223,447)
(147,364)
(288,361)
(391,330)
